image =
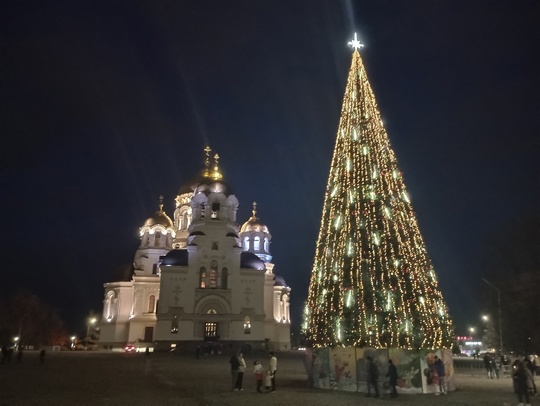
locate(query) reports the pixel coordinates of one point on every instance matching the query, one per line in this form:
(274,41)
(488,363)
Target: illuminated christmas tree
(372,281)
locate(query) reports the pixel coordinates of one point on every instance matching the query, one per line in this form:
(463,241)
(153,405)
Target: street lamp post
(499,305)
(90,323)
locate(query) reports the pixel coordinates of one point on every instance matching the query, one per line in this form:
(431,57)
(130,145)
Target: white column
(277,305)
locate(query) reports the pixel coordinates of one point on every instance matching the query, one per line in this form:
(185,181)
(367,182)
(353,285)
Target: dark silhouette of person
(392,378)
(9,354)
(273,369)
(42,356)
(372,376)
(519,376)
(235,364)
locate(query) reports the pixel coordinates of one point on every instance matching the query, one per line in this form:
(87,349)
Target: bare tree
(512,263)
(33,322)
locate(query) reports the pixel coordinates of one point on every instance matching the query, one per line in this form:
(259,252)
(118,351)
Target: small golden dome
(254,224)
(159,217)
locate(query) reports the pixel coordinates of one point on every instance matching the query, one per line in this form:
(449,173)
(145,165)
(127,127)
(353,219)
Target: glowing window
(202,277)
(210,330)
(215,210)
(266,247)
(174,325)
(212,277)
(246,243)
(247,325)
(257,244)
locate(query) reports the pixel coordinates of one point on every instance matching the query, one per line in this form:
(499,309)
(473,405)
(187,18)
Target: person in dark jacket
(235,365)
(441,372)
(392,378)
(372,376)
(519,376)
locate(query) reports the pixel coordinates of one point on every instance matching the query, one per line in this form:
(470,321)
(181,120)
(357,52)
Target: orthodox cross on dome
(216,174)
(254,211)
(207,151)
(160,202)
(355,43)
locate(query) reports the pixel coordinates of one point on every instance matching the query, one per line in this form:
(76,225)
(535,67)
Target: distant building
(200,278)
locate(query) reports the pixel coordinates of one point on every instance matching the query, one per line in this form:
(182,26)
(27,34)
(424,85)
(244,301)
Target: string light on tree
(372,281)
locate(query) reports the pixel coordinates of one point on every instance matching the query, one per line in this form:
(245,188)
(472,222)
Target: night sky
(107,105)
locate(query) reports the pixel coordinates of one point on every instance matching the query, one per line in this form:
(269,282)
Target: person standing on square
(241,370)
(258,371)
(273,370)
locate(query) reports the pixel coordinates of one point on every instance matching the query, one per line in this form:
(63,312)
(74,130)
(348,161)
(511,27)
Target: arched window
(180,222)
(266,247)
(213,275)
(246,243)
(151,303)
(224,278)
(202,278)
(110,303)
(212,279)
(211,311)
(247,325)
(215,210)
(157,238)
(203,210)
(256,244)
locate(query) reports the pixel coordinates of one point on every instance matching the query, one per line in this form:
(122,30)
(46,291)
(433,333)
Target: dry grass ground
(106,378)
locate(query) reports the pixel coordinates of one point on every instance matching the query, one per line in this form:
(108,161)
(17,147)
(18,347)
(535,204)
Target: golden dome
(159,217)
(254,224)
(210,180)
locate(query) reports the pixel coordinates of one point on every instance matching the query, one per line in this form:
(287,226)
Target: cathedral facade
(200,278)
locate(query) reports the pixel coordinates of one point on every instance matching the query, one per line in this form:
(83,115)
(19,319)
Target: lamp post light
(90,323)
(16,340)
(73,338)
(485,318)
(499,305)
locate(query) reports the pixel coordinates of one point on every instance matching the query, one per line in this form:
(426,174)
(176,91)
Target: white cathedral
(199,278)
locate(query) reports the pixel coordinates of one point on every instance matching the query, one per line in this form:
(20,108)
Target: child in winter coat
(268,380)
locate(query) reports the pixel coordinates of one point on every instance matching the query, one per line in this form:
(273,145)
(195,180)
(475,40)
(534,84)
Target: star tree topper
(355,43)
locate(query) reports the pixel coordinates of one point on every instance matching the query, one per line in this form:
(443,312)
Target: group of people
(523,377)
(435,375)
(438,376)
(372,373)
(268,377)
(7,354)
(492,366)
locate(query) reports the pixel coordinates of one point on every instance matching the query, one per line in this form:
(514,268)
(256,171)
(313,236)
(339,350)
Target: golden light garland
(372,282)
